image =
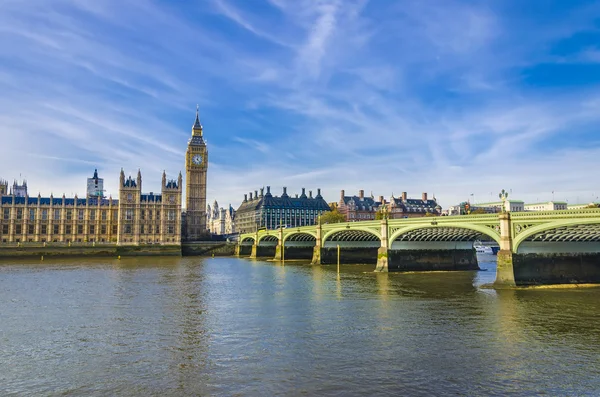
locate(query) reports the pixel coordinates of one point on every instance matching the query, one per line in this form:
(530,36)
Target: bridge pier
(505,273)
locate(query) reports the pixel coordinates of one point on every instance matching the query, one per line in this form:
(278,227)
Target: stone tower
(196,165)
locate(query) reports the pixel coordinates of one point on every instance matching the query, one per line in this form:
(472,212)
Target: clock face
(197,159)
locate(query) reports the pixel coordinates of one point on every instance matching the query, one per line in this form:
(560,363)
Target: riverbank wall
(105,250)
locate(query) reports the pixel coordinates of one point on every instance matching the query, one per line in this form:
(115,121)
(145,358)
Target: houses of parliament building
(134,218)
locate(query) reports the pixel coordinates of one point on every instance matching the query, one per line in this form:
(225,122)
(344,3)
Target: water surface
(226,326)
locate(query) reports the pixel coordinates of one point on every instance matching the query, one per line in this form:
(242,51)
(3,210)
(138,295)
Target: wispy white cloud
(383,96)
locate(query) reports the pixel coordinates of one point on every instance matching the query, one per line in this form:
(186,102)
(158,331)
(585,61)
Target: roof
(269,201)
(56,201)
(151,197)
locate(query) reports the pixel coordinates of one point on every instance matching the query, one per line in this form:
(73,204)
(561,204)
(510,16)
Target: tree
(333,217)
(379,215)
(478,211)
(592,205)
(429,214)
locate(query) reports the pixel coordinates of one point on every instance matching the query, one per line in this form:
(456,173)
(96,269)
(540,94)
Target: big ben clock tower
(196,164)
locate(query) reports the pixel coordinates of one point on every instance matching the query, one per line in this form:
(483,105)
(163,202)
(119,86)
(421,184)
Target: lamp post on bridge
(503,196)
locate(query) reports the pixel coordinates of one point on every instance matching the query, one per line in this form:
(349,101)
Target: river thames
(227,326)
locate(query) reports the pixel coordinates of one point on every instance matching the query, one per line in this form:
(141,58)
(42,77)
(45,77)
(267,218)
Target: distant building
(581,206)
(95,186)
(220,220)
(547,206)
(271,212)
(361,208)
(134,219)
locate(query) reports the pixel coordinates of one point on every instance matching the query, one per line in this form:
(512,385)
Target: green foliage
(478,211)
(333,217)
(379,215)
(429,214)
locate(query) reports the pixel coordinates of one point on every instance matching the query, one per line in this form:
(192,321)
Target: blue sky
(446,97)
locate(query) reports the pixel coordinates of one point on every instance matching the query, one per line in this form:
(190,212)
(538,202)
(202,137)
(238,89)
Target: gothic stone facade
(134,219)
(220,220)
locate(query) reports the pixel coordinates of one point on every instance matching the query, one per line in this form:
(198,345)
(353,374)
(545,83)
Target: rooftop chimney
(250,196)
(256,194)
(268,189)
(424,197)
(403,196)
(310,194)
(381,199)
(342,194)
(361,194)
(319,192)
(284,192)
(262,191)
(245,198)
(303,193)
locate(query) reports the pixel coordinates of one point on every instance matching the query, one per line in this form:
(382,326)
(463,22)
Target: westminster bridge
(552,247)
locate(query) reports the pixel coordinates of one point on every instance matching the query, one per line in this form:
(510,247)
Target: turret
(122,177)
(164,178)
(179,180)
(139,179)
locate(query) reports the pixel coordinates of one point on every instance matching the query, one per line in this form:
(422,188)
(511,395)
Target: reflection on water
(225,326)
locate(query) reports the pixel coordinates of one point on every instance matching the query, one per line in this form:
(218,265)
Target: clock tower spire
(196,165)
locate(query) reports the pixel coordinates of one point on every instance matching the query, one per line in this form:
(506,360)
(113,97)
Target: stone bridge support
(280,248)
(383,251)
(316,259)
(505,273)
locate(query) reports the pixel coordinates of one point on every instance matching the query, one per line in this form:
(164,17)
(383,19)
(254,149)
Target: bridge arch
(476,228)
(247,240)
(353,234)
(545,227)
(268,238)
(300,236)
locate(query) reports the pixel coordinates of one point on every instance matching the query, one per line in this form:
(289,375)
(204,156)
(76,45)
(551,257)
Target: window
(80,215)
(32,214)
(6,213)
(157,228)
(143,214)
(171,229)
(56,229)
(127,229)
(19,213)
(129,215)
(68,229)
(115,214)
(18,229)
(57,215)
(92,215)
(44,214)
(115,229)
(103,229)
(171,215)
(4,229)
(157,214)
(79,229)
(103,215)
(44,229)
(141,229)
(92,229)
(150,215)
(69,215)
(30,229)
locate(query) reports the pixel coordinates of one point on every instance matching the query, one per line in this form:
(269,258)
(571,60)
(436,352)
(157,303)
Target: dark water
(190,326)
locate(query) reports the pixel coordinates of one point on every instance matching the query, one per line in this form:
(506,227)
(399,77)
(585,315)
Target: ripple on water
(225,326)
